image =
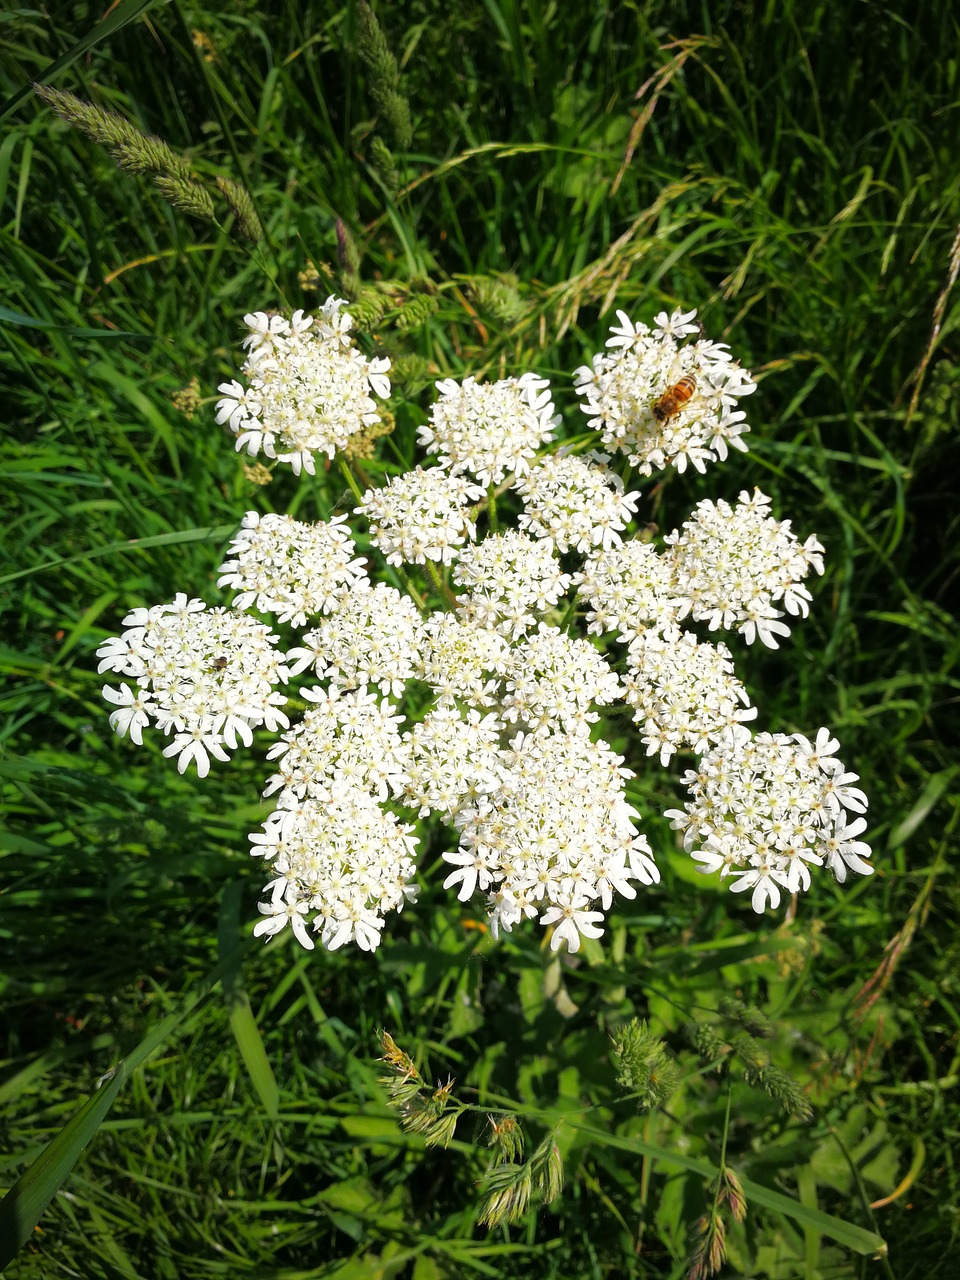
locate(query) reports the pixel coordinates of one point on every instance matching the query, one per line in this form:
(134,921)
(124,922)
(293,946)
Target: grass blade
(125,12)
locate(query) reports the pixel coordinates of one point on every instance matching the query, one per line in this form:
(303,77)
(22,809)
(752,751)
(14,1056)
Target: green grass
(792,173)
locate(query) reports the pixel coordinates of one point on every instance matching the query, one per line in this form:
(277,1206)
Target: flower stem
(492,508)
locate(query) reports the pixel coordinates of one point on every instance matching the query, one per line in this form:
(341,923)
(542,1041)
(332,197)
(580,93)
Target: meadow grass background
(789,169)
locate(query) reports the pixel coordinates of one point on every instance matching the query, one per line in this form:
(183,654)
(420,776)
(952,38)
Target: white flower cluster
(308,388)
(285,567)
(628,588)
(207,676)
(554,680)
(767,808)
(490,428)
(460,661)
(334,851)
(347,860)
(421,516)
(684,691)
(452,760)
(662,403)
(372,637)
(733,565)
(481,711)
(577,504)
(556,837)
(511,579)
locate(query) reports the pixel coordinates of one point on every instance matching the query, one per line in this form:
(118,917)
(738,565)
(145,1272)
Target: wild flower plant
(486,711)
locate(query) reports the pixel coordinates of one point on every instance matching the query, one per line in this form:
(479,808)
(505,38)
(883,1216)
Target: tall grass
(790,170)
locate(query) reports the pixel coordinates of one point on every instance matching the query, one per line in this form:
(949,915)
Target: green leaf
(9,316)
(24,1203)
(211,533)
(846,1233)
(242,1022)
(125,12)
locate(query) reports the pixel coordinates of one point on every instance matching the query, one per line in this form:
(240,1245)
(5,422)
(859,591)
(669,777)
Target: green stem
(492,508)
(350,478)
(441,586)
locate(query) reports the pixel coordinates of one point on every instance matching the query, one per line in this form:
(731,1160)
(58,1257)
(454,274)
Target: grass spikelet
(241,206)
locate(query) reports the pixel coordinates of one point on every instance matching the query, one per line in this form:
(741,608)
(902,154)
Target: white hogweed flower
(490,428)
(511,580)
(733,565)
(206,676)
(421,516)
(289,568)
(308,388)
(553,681)
(577,504)
(554,841)
(461,661)
(664,402)
(344,741)
(502,702)
(339,866)
(629,588)
(373,636)
(452,760)
(683,691)
(766,809)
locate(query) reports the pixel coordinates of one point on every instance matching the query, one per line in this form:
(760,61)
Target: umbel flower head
(289,568)
(664,402)
(308,388)
(766,809)
(489,429)
(466,669)
(206,676)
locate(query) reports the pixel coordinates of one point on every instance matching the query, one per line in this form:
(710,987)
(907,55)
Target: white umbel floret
(373,636)
(339,867)
(767,809)
(308,389)
(733,565)
(554,841)
(577,504)
(207,677)
(421,515)
(286,567)
(490,428)
(624,387)
(683,691)
(510,581)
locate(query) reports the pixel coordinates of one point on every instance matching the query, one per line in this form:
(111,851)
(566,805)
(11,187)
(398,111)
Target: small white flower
(421,516)
(573,922)
(842,851)
(133,715)
(624,390)
(490,429)
(309,390)
(278,913)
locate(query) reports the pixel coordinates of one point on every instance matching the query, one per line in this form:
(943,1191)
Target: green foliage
(791,171)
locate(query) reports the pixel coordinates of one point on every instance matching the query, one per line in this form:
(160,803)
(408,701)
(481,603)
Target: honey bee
(674,398)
